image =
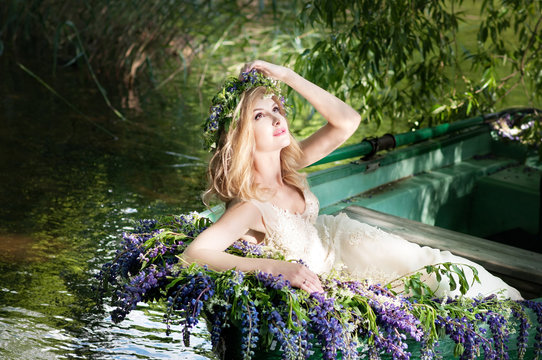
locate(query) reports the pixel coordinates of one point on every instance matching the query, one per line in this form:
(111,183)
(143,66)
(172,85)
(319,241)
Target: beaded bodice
(295,234)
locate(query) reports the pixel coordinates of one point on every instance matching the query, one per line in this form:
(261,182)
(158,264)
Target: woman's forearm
(333,109)
(296,273)
(221,261)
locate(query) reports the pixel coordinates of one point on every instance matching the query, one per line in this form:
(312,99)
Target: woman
(254,171)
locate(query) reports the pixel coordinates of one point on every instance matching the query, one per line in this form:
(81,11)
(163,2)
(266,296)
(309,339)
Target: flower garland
(225,102)
(350,319)
(522,127)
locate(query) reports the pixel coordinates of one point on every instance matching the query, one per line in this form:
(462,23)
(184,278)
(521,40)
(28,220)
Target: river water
(71,181)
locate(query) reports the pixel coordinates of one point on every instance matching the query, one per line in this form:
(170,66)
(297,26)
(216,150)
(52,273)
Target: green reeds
(131,43)
(66,101)
(82,54)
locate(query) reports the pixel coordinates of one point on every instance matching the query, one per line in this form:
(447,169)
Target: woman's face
(270,126)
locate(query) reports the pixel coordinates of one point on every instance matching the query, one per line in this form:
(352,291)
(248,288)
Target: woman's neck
(267,170)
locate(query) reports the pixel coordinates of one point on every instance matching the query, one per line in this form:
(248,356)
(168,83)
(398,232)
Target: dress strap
(269,215)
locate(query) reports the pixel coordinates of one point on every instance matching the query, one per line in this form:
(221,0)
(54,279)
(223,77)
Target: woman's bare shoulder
(244,214)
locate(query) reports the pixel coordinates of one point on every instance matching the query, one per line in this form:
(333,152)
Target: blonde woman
(254,170)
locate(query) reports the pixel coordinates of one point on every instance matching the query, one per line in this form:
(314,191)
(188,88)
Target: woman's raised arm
(208,249)
(342,119)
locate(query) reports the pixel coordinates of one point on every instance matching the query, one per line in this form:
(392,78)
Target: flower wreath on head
(226,100)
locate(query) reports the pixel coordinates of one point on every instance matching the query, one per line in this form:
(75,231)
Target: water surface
(70,183)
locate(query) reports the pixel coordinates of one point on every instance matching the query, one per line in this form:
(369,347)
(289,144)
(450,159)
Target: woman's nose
(276,119)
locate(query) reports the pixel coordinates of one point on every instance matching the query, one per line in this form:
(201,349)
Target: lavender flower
(265,307)
(273,282)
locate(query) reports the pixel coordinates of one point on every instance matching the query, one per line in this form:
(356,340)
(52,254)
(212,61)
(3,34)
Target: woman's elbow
(202,255)
(354,122)
(191,255)
(349,127)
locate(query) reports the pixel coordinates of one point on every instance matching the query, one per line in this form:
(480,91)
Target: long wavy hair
(231,168)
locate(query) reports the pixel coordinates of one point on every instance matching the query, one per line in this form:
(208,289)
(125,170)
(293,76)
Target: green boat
(455,187)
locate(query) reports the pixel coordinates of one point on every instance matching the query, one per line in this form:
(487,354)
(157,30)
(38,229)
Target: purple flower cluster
(145,226)
(126,262)
(523,332)
(247,249)
(463,333)
(249,328)
(325,324)
(143,286)
(219,314)
(294,343)
(212,124)
(272,282)
(499,329)
(536,307)
(186,299)
(518,128)
(394,325)
(189,224)
(218,318)
(427,348)
(250,76)
(133,274)
(471,338)
(267,310)
(253,77)
(394,319)
(295,340)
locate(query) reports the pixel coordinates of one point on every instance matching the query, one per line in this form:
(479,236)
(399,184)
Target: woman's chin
(286,142)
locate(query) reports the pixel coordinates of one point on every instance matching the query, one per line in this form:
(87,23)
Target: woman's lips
(279,132)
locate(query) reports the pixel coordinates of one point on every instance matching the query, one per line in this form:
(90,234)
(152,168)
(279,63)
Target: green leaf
(458,349)
(453,284)
(149,242)
(173,283)
(438,276)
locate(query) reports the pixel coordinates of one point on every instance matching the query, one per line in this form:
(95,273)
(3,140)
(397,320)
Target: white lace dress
(365,252)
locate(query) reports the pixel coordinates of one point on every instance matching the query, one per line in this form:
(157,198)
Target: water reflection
(67,191)
(28,335)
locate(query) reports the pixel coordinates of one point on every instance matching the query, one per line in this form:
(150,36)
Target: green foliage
(414,61)
(130,42)
(416,287)
(410,62)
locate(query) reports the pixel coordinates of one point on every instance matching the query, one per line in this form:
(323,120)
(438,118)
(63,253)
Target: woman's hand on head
(298,275)
(272,71)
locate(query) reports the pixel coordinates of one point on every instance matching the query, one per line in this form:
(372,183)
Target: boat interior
(466,192)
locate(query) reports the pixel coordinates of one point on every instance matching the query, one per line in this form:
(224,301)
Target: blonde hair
(231,168)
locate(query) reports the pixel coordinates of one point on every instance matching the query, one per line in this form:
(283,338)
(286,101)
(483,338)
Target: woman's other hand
(298,275)
(272,71)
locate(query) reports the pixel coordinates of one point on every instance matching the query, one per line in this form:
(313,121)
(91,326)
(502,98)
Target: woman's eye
(258,116)
(276,109)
